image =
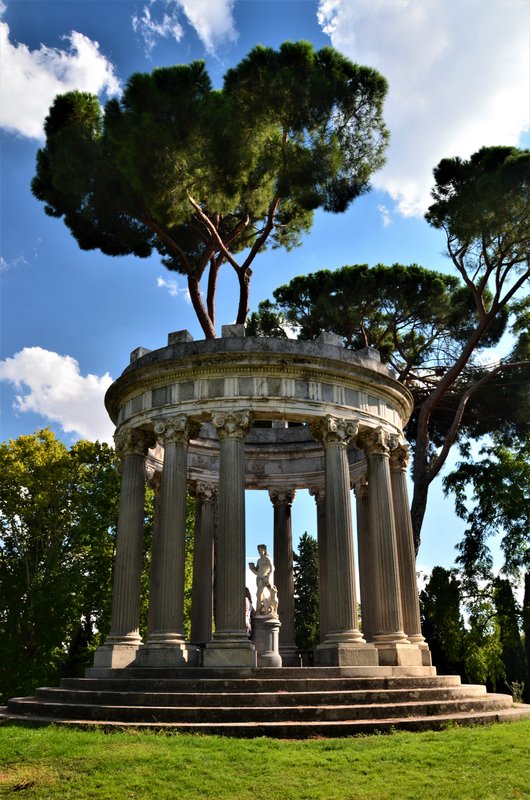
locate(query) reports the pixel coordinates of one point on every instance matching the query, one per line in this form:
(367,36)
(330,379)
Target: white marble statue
(266,592)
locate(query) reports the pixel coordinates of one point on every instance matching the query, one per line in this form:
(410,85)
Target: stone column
(203,554)
(230,645)
(166,645)
(282,500)
(154,480)
(121,645)
(389,637)
(410,603)
(344,644)
(366,557)
(319,493)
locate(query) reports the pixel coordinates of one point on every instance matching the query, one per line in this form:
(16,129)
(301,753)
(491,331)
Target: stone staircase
(283,703)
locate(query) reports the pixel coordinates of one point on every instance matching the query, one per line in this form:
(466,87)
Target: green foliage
(492,494)
(483,205)
(57,543)
(266,321)
(483,650)
(513,654)
(201,175)
(58,524)
(442,621)
(415,317)
(306,608)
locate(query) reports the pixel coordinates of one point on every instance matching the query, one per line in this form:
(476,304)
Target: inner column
(344,644)
(319,493)
(203,560)
(410,603)
(282,500)
(230,645)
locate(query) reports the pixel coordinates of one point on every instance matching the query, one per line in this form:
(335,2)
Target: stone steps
(261,684)
(249,700)
(256,714)
(286,703)
(290,729)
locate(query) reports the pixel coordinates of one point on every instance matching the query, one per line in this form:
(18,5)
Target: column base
(426,658)
(115,656)
(421,644)
(290,656)
(165,655)
(346,654)
(265,636)
(235,653)
(397,654)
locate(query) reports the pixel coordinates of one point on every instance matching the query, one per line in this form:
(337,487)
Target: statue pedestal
(266,637)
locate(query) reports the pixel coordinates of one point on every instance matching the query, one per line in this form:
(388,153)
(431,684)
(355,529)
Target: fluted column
(230,645)
(410,604)
(154,481)
(166,644)
(366,553)
(124,639)
(389,637)
(169,556)
(282,500)
(203,554)
(319,493)
(344,644)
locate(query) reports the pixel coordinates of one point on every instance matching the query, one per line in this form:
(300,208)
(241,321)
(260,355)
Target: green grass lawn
(482,763)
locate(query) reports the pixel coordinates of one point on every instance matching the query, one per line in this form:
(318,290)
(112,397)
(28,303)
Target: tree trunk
(244,276)
(199,308)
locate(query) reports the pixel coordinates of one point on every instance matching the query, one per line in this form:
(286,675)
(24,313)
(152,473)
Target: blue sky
(459,74)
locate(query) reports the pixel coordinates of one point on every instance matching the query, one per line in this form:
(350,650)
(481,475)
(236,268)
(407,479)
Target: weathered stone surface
(177,337)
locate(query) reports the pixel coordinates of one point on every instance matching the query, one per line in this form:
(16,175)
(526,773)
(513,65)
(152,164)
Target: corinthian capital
(400,457)
(331,430)
(175,429)
(205,492)
(360,486)
(233,424)
(319,493)
(153,478)
(377,441)
(282,496)
(133,441)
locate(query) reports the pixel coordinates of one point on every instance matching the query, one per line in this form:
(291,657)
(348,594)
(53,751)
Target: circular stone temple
(219,416)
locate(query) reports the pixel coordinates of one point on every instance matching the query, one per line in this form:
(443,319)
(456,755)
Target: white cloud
(385,215)
(6,264)
(212,20)
(168,27)
(173,288)
(32,78)
(459,75)
(51,385)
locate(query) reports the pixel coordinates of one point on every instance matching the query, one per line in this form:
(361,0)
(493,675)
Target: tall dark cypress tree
(306,607)
(513,653)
